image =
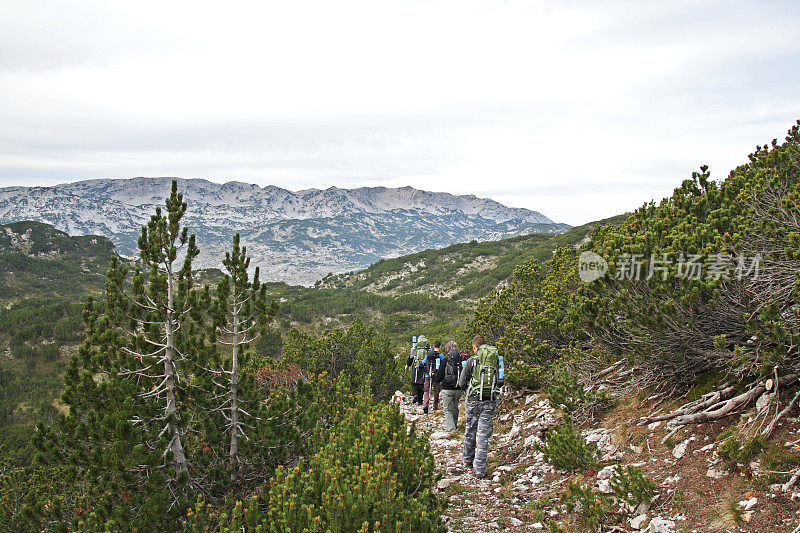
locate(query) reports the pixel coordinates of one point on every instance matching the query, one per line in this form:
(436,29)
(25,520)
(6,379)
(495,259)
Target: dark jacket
(431,362)
(453,358)
(418,373)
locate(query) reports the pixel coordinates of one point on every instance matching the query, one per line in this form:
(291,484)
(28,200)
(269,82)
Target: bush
(357,353)
(591,505)
(370,474)
(566,392)
(535,320)
(631,486)
(736,449)
(566,449)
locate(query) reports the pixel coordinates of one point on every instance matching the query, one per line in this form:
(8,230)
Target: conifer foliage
(240,314)
(127,388)
(165,427)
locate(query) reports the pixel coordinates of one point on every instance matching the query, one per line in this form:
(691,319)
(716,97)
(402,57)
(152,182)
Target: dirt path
(499,502)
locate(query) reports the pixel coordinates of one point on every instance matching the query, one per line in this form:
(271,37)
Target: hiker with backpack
(417,362)
(481,378)
(447,376)
(435,360)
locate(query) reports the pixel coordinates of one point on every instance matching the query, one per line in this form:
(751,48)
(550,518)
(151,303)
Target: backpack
(452,368)
(484,382)
(420,354)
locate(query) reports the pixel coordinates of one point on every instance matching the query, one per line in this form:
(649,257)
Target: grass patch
(459,488)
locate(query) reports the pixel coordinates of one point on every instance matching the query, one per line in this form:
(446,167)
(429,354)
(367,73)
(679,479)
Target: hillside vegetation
(185,408)
(697,319)
(434,290)
(45,275)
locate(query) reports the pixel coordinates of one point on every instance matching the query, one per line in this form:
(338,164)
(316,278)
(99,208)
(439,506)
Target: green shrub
(631,486)
(359,353)
(371,474)
(736,449)
(566,449)
(566,392)
(590,504)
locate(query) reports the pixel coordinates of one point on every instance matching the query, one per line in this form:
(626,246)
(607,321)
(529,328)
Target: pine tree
(240,315)
(126,387)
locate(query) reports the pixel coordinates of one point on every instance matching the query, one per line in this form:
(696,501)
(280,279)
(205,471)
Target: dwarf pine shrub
(369,473)
(589,503)
(631,486)
(566,449)
(566,392)
(737,449)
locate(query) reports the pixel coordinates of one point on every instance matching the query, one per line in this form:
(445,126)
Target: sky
(579,110)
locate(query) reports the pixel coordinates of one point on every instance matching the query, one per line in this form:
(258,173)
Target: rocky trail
(502,500)
(696,490)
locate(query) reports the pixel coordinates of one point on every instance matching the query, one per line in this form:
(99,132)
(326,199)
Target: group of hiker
(451,375)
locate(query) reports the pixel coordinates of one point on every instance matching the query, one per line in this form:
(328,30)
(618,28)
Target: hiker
(434,362)
(447,377)
(479,378)
(417,362)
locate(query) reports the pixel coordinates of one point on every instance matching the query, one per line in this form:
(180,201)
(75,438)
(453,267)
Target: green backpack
(420,354)
(484,382)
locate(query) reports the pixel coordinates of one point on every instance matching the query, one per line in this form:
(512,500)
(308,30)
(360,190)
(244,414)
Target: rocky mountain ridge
(297,237)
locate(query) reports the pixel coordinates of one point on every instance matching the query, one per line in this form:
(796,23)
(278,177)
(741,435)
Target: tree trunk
(234,451)
(169,370)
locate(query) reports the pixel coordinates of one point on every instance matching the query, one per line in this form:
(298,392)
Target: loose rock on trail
(502,500)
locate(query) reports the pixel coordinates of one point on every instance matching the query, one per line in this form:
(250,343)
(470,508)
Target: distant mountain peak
(296,237)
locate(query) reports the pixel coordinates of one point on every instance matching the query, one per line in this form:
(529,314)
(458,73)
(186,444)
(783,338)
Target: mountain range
(296,237)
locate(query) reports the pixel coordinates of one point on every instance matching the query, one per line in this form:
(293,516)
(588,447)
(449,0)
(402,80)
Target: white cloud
(580,110)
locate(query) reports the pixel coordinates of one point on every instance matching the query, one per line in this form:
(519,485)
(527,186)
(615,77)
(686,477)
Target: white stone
(642,508)
(707,447)
(639,521)
(530,399)
(516,522)
(660,525)
(538,525)
(514,431)
(653,425)
(606,472)
(763,401)
(444,484)
(604,486)
(680,449)
(715,474)
(749,504)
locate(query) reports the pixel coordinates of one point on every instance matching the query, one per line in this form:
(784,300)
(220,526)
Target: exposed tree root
(719,404)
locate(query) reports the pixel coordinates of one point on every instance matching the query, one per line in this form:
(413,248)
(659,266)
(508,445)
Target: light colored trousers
(450,400)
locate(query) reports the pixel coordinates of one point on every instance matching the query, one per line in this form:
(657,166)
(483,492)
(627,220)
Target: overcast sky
(580,110)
